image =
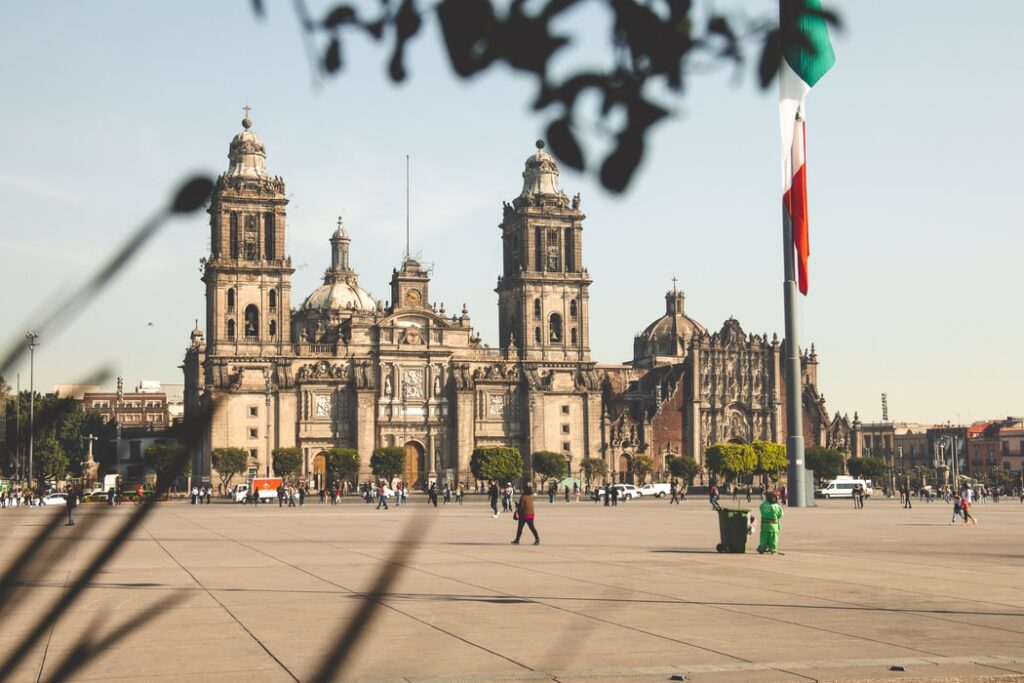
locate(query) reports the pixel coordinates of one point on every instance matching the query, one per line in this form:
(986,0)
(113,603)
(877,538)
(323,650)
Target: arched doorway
(319,471)
(626,468)
(415,464)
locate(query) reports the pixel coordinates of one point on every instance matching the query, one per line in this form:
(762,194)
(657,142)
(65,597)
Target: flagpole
(795,470)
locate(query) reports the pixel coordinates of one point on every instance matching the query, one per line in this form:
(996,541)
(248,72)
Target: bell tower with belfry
(247,274)
(543,299)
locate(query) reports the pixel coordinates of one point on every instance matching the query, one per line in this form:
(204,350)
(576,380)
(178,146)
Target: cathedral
(344,369)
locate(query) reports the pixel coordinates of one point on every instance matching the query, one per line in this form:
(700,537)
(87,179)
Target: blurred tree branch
(654,43)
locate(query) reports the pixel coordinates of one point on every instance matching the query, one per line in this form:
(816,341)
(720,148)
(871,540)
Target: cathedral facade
(344,369)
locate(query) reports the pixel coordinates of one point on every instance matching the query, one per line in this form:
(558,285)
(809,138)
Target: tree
(387,463)
(732,460)
(827,463)
(169,461)
(342,463)
(287,462)
(867,467)
(771,458)
(594,467)
(228,462)
(642,466)
(684,467)
(650,48)
(50,459)
(548,464)
(500,463)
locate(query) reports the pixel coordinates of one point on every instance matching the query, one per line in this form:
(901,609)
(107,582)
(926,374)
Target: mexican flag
(806,56)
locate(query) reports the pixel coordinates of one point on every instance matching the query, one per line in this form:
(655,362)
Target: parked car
(97,496)
(54,499)
(656,490)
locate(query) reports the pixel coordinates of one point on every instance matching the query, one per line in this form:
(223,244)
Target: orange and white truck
(266,487)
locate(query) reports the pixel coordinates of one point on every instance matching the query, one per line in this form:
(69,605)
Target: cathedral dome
(340,290)
(339,295)
(667,336)
(541,175)
(247,154)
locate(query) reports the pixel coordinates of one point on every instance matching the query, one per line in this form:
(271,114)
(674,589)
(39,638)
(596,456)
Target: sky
(914,147)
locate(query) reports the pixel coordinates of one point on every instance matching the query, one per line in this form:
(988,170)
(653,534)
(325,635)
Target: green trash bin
(732,525)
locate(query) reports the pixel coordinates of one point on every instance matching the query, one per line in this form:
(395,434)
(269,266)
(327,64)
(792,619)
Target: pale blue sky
(914,154)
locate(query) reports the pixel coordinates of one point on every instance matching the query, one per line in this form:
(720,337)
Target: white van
(842,487)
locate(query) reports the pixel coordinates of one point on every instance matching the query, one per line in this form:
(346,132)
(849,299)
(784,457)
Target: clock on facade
(412,297)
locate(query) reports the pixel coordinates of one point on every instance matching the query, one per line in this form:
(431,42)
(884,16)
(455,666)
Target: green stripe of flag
(813,56)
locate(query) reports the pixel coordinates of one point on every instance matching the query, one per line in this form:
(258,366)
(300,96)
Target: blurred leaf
(342,14)
(407,24)
(332,59)
(375,29)
(563,144)
(526,43)
(193,195)
(771,58)
(467,26)
(620,165)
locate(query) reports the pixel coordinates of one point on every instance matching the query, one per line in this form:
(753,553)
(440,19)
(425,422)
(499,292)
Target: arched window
(573,311)
(231,330)
(572,336)
(536,335)
(272,299)
(273,329)
(536,308)
(231,299)
(555,328)
(252,322)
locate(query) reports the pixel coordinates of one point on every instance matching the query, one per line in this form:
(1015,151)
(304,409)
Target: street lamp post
(32,343)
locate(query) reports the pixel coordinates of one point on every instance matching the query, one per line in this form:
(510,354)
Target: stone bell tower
(247,274)
(543,302)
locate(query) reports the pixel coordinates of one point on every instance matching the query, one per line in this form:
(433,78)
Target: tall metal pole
(267,401)
(794,411)
(406,206)
(19,466)
(32,337)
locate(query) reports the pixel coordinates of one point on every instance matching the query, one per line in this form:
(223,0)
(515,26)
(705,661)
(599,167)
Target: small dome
(247,154)
(541,174)
(339,295)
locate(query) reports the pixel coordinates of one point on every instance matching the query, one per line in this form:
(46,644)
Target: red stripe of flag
(795,200)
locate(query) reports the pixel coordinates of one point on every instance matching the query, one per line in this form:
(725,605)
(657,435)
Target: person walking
(382,499)
(965,510)
(576,490)
(492,497)
(957,502)
(72,504)
(506,497)
(771,524)
(526,514)
(615,496)
(607,494)
(905,489)
(566,493)
(713,496)
(673,490)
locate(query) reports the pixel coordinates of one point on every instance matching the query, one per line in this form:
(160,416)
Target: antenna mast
(407,206)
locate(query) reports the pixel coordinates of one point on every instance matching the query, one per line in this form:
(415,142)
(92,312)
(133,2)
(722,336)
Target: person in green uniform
(771,523)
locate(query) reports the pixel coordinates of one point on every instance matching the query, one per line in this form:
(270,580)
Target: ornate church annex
(343,369)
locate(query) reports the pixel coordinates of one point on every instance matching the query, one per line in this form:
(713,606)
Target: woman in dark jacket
(524,508)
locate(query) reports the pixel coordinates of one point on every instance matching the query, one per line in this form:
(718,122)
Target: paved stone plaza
(635,592)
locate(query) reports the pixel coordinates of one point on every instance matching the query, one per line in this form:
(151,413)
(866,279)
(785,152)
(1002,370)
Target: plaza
(635,592)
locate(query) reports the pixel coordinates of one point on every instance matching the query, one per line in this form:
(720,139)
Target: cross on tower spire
(246,109)
(674,280)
